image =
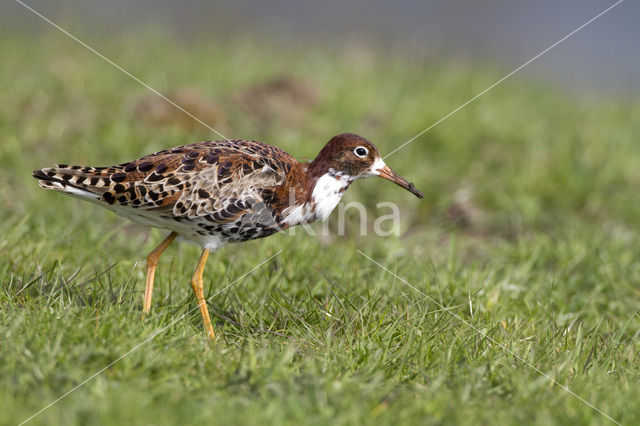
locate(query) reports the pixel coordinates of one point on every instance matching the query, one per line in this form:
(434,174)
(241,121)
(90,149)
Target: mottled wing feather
(217,180)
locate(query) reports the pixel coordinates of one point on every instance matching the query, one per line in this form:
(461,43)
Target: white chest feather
(325,197)
(327,194)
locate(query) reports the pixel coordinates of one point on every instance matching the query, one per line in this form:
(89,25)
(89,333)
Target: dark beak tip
(388,174)
(412,188)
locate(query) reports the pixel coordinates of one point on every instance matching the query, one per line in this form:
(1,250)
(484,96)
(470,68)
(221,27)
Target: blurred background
(604,58)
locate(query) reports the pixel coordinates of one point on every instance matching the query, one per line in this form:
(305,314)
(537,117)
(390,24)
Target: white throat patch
(325,197)
(327,193)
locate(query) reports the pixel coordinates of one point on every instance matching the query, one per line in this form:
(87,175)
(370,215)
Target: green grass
(541,255)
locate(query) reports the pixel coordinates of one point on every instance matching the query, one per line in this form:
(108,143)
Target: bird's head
(349,156)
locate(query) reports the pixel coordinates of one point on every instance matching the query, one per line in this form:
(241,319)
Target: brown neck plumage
(317,168)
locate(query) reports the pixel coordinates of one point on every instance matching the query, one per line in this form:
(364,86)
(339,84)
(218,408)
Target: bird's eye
(361,151)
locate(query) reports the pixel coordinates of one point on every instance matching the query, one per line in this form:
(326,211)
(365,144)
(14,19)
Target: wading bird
(212,193)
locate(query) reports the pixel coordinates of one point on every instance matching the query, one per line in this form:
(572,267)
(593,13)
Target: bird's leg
(197,285)
(152,264)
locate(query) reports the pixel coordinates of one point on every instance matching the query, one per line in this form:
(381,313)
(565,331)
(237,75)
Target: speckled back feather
(215,181)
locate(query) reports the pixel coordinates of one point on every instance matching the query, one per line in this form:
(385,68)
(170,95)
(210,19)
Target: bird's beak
(379,168)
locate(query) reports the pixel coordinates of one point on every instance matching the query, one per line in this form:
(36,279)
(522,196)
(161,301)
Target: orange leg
(152,264)
(197,285)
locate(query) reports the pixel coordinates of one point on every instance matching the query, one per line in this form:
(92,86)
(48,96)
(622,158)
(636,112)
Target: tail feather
(83,182)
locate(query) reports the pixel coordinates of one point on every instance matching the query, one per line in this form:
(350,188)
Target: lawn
(520,265)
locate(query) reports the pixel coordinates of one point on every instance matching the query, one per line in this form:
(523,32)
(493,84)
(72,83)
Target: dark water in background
(602,58)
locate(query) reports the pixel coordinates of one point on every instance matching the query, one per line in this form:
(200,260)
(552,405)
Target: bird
(223,191)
